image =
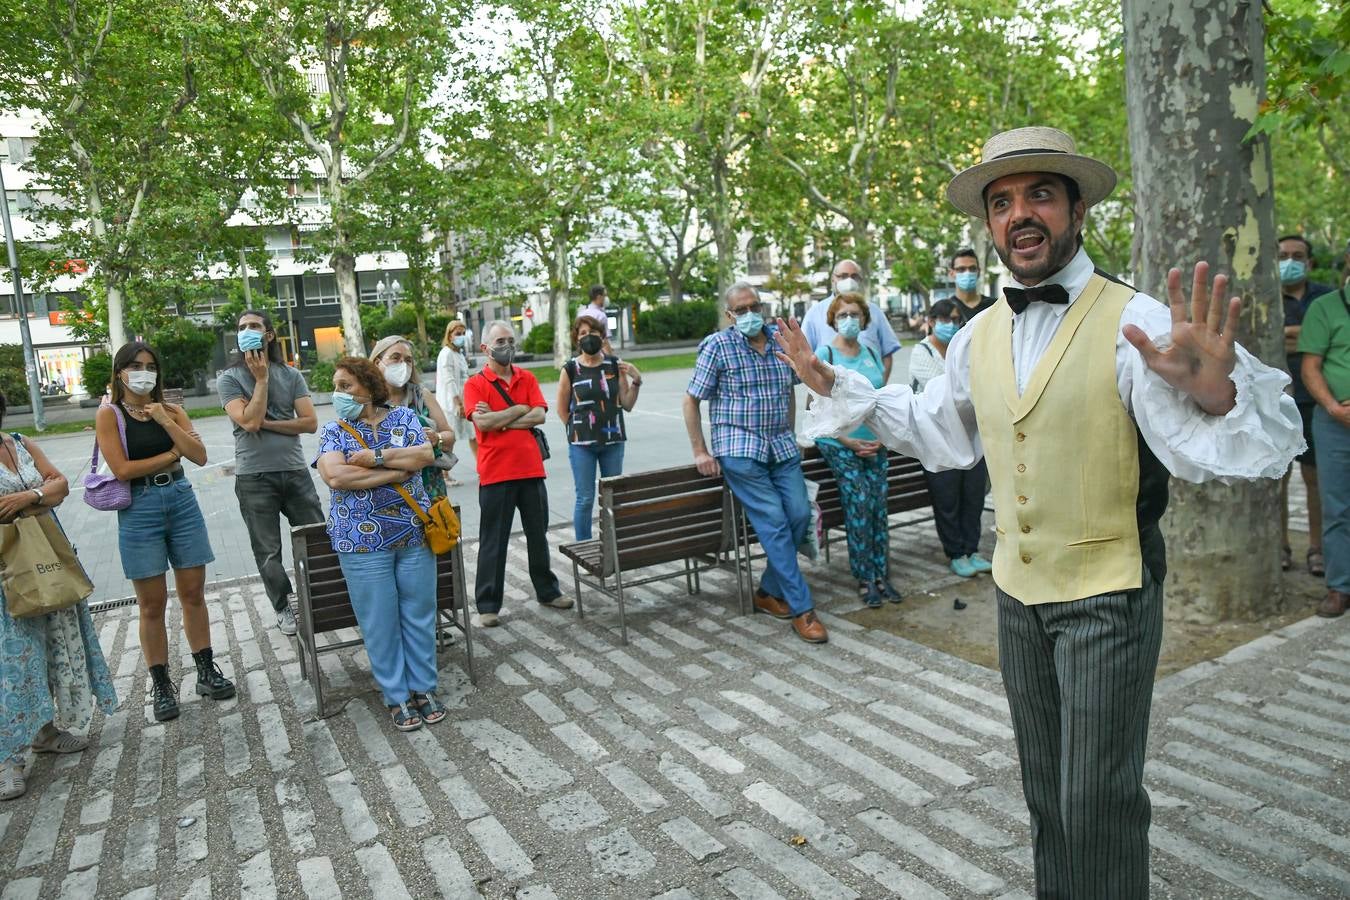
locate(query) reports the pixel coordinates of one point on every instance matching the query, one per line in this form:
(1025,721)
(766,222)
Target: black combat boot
(211,682)
(163,697)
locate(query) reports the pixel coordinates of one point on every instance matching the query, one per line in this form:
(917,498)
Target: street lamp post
(29,357)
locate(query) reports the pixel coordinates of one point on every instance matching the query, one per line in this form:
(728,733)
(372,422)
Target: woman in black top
(163,526)
(594,391)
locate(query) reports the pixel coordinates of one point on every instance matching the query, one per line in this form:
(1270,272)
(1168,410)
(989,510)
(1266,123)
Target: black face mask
(590,344)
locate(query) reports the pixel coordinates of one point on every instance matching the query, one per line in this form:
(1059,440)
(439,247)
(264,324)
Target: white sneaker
(487,620)
(286,621)
(563,602)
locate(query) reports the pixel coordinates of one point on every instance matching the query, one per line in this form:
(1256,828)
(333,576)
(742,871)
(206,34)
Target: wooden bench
(651,518)
(323,605)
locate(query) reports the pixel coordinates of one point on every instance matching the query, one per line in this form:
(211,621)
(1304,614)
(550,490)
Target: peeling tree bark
(1195,75)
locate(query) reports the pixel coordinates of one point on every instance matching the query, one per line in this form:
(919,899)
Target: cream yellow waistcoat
(1063,456)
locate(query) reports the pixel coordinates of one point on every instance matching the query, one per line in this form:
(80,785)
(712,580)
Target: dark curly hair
(367,374)
(594,325)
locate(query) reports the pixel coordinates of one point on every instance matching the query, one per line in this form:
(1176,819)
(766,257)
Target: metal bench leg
(317,683)
(688,577)
(623,622)
(576,581)
(462,603)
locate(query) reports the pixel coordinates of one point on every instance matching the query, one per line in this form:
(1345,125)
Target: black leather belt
(159,479)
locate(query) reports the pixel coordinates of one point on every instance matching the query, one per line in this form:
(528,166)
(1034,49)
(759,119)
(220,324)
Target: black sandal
(431,709)
(404,718)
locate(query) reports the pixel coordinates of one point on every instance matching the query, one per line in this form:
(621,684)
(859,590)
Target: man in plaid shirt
(752,410)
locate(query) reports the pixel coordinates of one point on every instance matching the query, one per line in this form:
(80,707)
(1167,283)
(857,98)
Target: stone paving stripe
(149,766)
(997,759)
(693,672)
(930,853)
(514,757)
(381,873)
(1337,730)
(650,647)
(246,824)
(725,660)
(791,693)
(537,668)
(536,892)
(836,623)
(581,701)
(917,723)
(800,820)
(676,636)
(903,750)
(296,814)
(432,754)
(1331,708)
(677,894)
(874,654)
(346,796)
(810,878)
(45,826)
(618,854)
(190,772)
(317,879)
(573,812)
(952,711)
(791,763)
(1263,844)
(756,647)
(745,886)
(589,672)
(1201,787)
(1253,749)
(1304,828)
(890,781)
(258,686)
(1323,871)
(699,747)
(234,744)
(369,734)
(973,829)
(1252,727)
(575,738)
(22,889)
(1330,667)
(138,855)
(190,842)
(692,839)
(98,809)
(692,785)
(645,676)
(5,818)
(639,706)
(507,675)
(843,689)
(1342,655)
(276,742)
(407,797)
(500,848)
(1219,866)
(544,708)
(87,851)
(452,878)
(255,876)
(1331,687)
(1260,779)
(463,798)
(997,702)
(631,785)
(895,879)
(766,711)
(591,641)
(145,893)
(713,717)
(80,885)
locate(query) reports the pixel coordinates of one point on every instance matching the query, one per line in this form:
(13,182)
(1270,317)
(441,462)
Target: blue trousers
(585,458)
(1333,483)
(394,596)
(862,488)
(774,497)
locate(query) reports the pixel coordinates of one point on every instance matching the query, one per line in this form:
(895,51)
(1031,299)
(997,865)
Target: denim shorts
(162,528)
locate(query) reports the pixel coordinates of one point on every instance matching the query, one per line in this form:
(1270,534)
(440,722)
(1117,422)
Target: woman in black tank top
(144,440)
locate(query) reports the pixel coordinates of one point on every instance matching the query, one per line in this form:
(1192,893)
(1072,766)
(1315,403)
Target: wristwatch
(379,458)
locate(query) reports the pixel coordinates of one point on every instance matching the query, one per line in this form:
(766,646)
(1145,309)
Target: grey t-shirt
(266,451)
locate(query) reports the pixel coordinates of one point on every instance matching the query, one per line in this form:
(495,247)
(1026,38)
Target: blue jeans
(584,459)
(774,497)
(394,596)
(1333,483)
(163,528)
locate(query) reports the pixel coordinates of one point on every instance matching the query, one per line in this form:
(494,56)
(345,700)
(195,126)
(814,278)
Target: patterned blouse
(378,518)
(596,416)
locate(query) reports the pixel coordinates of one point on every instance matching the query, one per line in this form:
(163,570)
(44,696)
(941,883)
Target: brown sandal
(1317,565)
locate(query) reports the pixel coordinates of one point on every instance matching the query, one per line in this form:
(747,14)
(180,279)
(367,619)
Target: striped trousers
(1079,678)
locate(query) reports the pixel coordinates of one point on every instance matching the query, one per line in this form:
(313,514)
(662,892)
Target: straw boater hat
(1032,149)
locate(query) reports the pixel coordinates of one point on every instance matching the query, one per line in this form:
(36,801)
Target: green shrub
(540,339)
(13,377)
(320,377)
(184,349)
(97,373)
(690,320)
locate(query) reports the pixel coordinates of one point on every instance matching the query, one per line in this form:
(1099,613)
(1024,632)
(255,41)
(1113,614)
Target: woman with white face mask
(394,356)
(144,440)
(452,371)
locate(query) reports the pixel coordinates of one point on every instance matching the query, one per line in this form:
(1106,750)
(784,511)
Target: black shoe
(890,593)
(871,595)
(163,697)
(211,682)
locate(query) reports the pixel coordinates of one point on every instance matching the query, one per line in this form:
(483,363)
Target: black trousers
(497,504)
(263,499)
(958,503)
(1079,678)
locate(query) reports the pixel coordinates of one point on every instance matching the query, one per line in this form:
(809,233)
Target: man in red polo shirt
(504,403)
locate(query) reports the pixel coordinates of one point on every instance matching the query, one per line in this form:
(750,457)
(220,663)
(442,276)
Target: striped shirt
(749,398)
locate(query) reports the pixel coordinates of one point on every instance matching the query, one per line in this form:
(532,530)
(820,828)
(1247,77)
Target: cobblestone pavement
(713,756)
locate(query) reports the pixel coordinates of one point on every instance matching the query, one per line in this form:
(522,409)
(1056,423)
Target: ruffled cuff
(851,400)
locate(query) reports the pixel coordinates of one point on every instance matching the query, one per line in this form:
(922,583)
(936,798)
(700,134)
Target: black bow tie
(1049,293)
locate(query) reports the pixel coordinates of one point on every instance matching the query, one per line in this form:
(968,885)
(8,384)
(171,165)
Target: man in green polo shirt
(1325,345)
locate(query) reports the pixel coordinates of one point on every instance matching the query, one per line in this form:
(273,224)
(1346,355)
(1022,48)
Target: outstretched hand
(797,352)
(1201,357)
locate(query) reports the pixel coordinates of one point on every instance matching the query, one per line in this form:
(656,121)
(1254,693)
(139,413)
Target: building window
(320,290)
(285,291)
(758,260)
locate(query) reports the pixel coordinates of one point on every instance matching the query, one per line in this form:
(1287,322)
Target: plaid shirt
(749,396)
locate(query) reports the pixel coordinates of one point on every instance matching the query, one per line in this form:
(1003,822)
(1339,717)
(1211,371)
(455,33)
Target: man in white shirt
(1082,395)
(846,278)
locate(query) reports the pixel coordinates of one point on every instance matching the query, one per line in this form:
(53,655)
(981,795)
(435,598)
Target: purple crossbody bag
(104,491)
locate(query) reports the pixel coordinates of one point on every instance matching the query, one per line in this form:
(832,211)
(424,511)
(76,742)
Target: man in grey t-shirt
(270,406)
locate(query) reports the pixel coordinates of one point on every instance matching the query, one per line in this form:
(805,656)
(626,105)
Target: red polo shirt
(511,454)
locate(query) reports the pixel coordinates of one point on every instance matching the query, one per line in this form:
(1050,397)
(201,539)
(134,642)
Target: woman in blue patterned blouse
(390,571)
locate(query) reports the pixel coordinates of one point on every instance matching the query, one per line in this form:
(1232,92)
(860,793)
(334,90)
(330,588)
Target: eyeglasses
(839,276)
(847,315)
(748,308)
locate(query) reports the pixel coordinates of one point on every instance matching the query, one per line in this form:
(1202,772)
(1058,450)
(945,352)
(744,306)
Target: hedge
(692,319)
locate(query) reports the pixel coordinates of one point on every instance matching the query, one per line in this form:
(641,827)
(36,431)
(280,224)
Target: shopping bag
(39,572)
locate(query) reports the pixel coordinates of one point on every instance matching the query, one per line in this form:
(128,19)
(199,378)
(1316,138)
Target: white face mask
(142,382)
(398,374)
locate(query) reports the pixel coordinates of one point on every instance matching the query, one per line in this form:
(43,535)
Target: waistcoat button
(1026,529)
(1021,467)
(1025,558)
(1021,499)
(1021,437)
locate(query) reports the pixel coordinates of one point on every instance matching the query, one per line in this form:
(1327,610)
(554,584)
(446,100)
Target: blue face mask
(750,323)
(1292,271)
(346,406)
(457,341)
(967,281)
(250,340)
(945,331)
(849,328)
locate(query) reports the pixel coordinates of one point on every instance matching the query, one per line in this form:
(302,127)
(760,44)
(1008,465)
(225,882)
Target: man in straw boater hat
(1082,394)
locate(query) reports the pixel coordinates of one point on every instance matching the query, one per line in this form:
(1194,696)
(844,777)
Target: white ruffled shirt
(1258,438)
